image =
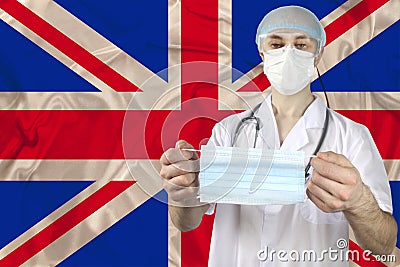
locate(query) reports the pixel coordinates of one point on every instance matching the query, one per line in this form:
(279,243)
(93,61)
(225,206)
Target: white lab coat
(240,232)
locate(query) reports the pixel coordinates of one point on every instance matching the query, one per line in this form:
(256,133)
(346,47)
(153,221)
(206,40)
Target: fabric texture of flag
(91,94)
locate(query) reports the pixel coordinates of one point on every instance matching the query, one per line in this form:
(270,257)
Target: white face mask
(289,69)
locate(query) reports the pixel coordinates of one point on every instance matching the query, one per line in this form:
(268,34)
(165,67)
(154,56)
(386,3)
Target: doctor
(348,185)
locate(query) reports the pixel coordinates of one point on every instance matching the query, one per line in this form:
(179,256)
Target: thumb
(187,154)
(183,144)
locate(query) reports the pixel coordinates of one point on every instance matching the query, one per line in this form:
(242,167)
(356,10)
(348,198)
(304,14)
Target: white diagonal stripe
(90,228)
(393,169)
(90,40)
(109,54)
(359,35)
(341,10)
(96,223)
(51,218)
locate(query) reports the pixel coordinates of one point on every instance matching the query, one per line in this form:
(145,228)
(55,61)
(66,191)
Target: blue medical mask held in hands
(251,176)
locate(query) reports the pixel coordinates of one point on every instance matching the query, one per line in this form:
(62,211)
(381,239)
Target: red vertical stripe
(199,43)
(196,244)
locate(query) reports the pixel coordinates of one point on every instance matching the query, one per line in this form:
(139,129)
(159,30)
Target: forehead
(289,34)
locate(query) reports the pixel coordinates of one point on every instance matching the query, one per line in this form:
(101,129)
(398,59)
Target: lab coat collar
(314,115)
(313,118)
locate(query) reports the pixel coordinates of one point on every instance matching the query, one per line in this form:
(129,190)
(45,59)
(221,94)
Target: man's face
(280,38)
(297,39)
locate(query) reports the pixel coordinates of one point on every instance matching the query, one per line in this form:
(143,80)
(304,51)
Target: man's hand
(179,170)
(180,173)
(335,184)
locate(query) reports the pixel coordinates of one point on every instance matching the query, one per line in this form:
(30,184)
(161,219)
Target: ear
(318,58)
(262,56)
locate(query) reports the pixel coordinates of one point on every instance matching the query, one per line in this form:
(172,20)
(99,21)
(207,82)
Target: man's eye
(301,46)
(276,45)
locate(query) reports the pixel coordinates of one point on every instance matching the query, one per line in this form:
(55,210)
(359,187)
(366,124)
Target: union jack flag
(91,94)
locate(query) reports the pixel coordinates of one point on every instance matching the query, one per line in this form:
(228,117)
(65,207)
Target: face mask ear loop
(323,87)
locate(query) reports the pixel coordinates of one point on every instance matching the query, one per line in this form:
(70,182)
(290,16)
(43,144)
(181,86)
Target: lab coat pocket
(313,214)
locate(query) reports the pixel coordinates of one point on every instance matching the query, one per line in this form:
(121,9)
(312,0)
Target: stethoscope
(253,117)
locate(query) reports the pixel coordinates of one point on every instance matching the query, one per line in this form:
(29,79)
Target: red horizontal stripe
(67,46)
(97,134)
(61,134)
(65,223)
(335,29)
(384,126)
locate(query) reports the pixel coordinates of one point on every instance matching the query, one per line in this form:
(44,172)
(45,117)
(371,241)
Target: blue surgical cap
(294,18)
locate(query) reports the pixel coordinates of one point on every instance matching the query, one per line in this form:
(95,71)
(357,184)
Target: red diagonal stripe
(67,46)
(350,18)
(338,27)
(65,223)
(364,261)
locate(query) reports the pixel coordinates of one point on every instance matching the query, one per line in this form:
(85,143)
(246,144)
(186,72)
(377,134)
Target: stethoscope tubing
(253,117)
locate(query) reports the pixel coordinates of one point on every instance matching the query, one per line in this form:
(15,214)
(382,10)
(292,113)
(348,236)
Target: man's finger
(330,202)
(173,155)
(179,168)
(333,157)
(180,182)
(186,166)
(318,202)
(331,186)
(333,171)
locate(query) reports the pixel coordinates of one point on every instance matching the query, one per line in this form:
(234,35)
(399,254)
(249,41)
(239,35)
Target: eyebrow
(302,37)
(275,36)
